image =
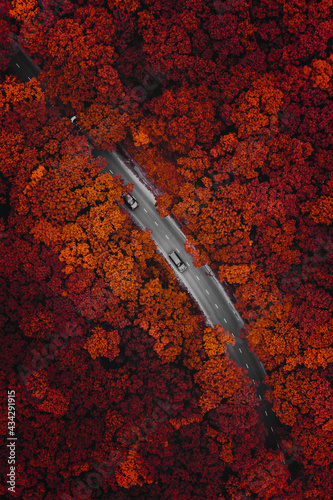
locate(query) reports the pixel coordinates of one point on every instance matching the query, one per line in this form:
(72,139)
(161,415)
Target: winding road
(200,283)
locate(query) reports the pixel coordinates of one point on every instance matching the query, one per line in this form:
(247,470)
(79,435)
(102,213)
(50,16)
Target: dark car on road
(130,201)
(181,266)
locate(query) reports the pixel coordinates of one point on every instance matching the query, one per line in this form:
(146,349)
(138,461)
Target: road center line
(272,429)
(266,413)
(167,236)
(225,320)
(207,292)
(17,65)
(156,223)
(197,277)
(216,306)
(247,366)
(145,210)
(29,77)
(240,350)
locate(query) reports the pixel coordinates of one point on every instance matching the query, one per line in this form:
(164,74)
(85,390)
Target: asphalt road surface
(22,66)
(205,289)
(207,292)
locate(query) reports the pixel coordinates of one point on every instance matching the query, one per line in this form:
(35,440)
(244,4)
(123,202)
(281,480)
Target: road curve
(206,290)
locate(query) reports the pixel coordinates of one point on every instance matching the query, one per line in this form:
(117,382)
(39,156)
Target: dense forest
(122,390)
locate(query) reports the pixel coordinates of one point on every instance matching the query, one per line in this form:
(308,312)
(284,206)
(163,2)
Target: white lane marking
(187,263)
(216,306)
(17,65)
(272,429)
(240,350)
(145,210)
(167,236)
(278,445)
(156,223)
(225,320)
(247,366)
(260,398)
(177,249)
(29,77)
(197,277)
(207,292)
(266,413)
(111,171)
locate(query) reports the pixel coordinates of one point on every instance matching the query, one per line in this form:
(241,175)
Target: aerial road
(22,66)
(199,282)
(204,288)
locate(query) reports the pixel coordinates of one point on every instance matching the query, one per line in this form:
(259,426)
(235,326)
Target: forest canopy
(121,388)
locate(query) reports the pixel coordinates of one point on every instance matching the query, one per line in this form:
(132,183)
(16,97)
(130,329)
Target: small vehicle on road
(130,201)
(181,266)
